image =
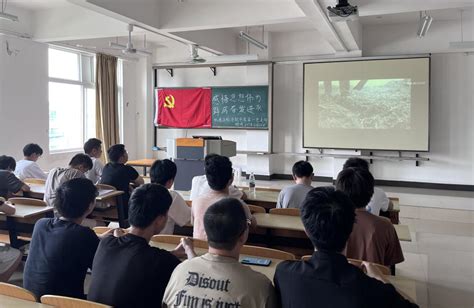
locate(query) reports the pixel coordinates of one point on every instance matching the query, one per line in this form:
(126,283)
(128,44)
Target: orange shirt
(374,239)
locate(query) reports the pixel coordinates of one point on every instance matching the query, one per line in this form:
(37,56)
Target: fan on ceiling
(129,49)
(195,58)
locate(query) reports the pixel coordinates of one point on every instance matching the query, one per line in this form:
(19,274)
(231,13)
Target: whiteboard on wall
(252,140)
(373,104)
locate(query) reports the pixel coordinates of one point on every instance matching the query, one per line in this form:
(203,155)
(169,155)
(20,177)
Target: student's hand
(25,188)
(188,246)
(185,249)
(115,232)
(373,271)
(119,232)
(244,196)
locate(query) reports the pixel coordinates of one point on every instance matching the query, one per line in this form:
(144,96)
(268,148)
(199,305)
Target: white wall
(24,115)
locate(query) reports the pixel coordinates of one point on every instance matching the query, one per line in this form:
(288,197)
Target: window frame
(86,71)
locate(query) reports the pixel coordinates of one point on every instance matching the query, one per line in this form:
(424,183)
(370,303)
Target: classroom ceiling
(215,24)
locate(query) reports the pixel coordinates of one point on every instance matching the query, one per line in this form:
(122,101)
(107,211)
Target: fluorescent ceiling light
(462,44)
(9,17)
(424,25)
(251,40)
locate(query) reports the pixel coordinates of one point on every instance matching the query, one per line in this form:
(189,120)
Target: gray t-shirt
(55,178)
(292,196)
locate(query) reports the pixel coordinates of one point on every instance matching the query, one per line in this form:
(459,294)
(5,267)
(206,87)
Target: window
(71,99)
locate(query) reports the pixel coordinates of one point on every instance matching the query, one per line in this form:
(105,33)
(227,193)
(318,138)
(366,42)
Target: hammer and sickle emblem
(169,101)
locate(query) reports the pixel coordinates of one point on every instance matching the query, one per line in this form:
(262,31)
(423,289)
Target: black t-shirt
(60,254)
(119,176)
(328,280)
(9,183)
(127,272)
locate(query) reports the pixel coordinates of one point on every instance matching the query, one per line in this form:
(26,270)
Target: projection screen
(367,104)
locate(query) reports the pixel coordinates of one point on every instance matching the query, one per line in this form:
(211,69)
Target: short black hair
(357,184)
(147,203)
(224,222)
(218,171)
(302,169)
(7,162)
(162,171)
(328,216)
(355,162)
(81,160)
(91,144)
(74,197)
(115,152)
(32,148)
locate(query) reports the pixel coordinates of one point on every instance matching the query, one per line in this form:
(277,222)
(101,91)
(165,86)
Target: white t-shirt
(27,169)
(217,281)
(200,186)
(179,213)
(96,172)
(378,202)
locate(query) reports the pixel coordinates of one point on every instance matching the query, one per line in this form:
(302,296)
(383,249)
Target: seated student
(217,279)
(119,175)
(292,196)
(93,148)
(373,238)
(163,172)
(27,167)
(61,250)
(9,183)
(79,164)
(200,186)
(10,257)
(327,279)
(219,176)
(127,272)
(379,200)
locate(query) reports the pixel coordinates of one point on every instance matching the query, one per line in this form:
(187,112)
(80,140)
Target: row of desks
(407,286)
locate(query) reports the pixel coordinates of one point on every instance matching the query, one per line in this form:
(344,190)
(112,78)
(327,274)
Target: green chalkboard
(240,107)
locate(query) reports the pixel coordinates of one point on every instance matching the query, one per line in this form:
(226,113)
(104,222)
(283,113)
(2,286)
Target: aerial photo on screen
(365,104)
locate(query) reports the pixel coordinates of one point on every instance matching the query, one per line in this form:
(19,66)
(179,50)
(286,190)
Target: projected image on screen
(365,104)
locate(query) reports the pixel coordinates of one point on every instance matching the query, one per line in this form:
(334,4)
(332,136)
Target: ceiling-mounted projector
(343,11)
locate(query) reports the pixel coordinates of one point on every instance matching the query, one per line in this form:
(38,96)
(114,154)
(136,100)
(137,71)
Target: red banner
(183,108)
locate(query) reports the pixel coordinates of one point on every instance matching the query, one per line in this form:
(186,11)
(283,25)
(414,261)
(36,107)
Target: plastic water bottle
(252,183)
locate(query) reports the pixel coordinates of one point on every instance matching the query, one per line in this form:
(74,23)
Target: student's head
(355,162)
(75,198)
(302,169)
(7,163)
(226,224)
(218,171)
(93,147)
(32,151)
(358,184)
(117,154)
(163,172)
(148,207)
(328,216)
(81,162)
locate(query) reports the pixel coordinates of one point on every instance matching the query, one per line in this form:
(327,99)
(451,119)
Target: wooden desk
(268,271)
(145,163)
(31,212)
(294,223)
(119,212)
(12,302)
(405,285)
